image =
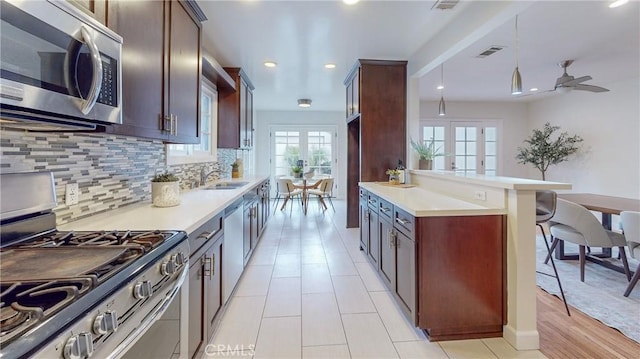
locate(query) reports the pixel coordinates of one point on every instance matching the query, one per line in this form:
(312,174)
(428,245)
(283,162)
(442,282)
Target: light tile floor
(309,292)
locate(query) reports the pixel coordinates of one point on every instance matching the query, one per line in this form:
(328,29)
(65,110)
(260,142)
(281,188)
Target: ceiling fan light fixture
(304,102)
(516,82)
(270,64)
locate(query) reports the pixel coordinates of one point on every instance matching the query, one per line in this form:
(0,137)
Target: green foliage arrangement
(426,151)
(165,177)
(543,151)
(296,169)
(392,172)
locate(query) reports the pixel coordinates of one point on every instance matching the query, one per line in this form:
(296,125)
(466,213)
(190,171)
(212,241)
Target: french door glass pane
(490,151)
(465,149)
(319,152)
(437,134)
(287,151)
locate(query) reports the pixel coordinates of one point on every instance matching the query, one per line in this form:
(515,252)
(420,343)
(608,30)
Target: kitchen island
(456,205)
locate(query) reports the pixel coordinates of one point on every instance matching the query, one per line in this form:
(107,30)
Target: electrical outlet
(72,193)
(481,195)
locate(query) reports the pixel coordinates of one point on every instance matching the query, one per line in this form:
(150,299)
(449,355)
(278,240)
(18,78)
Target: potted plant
(543,151)
(165,190)
(296,171)
(394,176)
(427,153)
(235,170)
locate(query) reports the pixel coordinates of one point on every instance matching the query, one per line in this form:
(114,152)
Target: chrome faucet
(204,175)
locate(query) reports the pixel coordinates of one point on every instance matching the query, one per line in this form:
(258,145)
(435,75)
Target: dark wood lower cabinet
(447,274)
(461,276)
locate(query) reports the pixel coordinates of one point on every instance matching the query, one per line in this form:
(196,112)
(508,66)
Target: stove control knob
(105,323)
(78,346)
(169,267)
(179,258)
(143,290)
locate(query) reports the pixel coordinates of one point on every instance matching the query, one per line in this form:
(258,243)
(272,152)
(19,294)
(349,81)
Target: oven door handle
(96,63)
(151,318)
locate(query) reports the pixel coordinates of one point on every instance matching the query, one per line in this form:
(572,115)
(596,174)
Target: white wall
(266,119)
(514,119)
(609,123)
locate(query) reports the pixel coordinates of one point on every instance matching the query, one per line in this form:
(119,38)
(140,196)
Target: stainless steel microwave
(60,68)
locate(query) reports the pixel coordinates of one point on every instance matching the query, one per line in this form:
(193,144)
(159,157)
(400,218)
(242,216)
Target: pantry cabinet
(161,67)
(235,112)
(376,99)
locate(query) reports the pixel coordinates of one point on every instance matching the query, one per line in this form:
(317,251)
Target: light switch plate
(71,194)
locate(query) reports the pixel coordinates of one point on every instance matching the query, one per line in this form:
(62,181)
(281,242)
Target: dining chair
(546,202)
(278,195)
(631,226)
(576,224)
(323,191)
(288,191)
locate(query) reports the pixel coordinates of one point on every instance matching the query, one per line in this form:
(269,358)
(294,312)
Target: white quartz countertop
(196,207)
(420,202)
(493,181)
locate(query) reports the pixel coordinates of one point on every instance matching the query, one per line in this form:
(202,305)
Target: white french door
(315,146)
(469,146)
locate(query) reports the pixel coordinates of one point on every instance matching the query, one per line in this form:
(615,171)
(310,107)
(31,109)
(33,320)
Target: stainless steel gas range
(78,294)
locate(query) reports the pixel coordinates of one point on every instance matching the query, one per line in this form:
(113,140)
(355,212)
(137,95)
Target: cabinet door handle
(366,214)
(385,209)
(389,238)
(402,221)
(175,133)
(165,127)
(207,267)
(213,266)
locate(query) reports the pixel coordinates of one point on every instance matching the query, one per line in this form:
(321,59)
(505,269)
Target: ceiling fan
(566,82)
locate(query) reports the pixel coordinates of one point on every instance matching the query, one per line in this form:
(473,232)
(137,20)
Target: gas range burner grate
(148,240)
(24,304)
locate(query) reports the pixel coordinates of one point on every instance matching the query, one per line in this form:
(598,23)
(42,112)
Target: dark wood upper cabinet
(235,112)
(376,116)
(161,66)
(95,8)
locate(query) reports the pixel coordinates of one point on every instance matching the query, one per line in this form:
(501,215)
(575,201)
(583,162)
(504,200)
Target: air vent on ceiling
(490,51)
(445,4)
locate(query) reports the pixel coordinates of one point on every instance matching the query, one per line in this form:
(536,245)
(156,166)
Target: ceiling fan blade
(535,93)
(574,82)
(590,88)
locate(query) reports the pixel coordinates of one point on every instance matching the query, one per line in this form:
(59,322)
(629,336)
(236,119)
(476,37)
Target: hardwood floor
(578,336)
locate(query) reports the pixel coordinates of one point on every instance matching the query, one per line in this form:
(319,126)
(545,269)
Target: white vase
(165,194)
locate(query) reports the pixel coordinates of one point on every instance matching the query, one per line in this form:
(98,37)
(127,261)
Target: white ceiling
(301,36)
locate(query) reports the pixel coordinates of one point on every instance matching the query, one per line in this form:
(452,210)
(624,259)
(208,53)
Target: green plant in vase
(165,190)
(296,171)
(427,153)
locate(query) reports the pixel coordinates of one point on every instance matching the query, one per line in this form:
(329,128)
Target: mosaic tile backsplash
(111,171)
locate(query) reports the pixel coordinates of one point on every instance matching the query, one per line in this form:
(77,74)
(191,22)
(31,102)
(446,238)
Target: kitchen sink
(225,185)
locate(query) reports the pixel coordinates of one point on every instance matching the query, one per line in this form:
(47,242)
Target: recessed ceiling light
(618,3)
(304,102)
(350,2)
(533,89)
(329,66)
(270,64)
(440,87)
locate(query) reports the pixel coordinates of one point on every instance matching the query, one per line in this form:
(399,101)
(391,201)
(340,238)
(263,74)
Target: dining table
(305,185)
(607,206)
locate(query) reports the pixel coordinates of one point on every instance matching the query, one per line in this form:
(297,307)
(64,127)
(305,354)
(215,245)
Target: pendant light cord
(517,41)
(442,77)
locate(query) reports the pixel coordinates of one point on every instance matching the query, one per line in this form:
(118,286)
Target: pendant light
(516,80)
(441,107)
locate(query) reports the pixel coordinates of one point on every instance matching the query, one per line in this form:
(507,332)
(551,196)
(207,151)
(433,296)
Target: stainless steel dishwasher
(232,256)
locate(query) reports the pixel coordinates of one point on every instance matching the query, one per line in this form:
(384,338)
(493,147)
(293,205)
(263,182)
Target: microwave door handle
(96,62)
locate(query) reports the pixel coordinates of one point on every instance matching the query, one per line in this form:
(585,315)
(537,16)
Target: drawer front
(364,195)
(372,199)
(385,209)
(205,233)
(404,222)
